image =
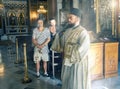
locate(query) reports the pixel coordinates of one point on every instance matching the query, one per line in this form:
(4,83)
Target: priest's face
(72,20)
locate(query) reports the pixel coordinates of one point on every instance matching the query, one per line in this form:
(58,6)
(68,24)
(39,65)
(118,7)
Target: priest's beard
(71,25)
(68,25)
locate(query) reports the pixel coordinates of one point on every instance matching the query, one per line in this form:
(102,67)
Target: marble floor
(108,83)
(12,76)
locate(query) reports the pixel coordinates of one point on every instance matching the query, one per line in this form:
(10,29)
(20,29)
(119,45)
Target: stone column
(76,3)
(59,7)
(52,8)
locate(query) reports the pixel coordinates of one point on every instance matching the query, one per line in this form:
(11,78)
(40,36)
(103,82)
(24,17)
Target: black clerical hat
(75,11)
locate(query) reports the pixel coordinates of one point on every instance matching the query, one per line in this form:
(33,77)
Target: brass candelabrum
(96,9)
(26,78)
(17,60)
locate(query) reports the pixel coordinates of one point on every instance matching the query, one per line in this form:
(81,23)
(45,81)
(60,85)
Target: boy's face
(52,22)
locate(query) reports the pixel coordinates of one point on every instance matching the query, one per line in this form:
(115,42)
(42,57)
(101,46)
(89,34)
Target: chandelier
(41,9)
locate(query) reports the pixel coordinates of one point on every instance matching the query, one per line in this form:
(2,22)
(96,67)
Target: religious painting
(105,14)
(21,19)
(12,19)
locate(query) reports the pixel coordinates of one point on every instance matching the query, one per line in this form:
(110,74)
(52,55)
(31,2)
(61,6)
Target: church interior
(18,18)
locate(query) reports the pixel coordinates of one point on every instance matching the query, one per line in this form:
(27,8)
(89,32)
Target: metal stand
(53,63)
(53,69)
(55,80)
(1,66)
(26,78)
(17,61)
